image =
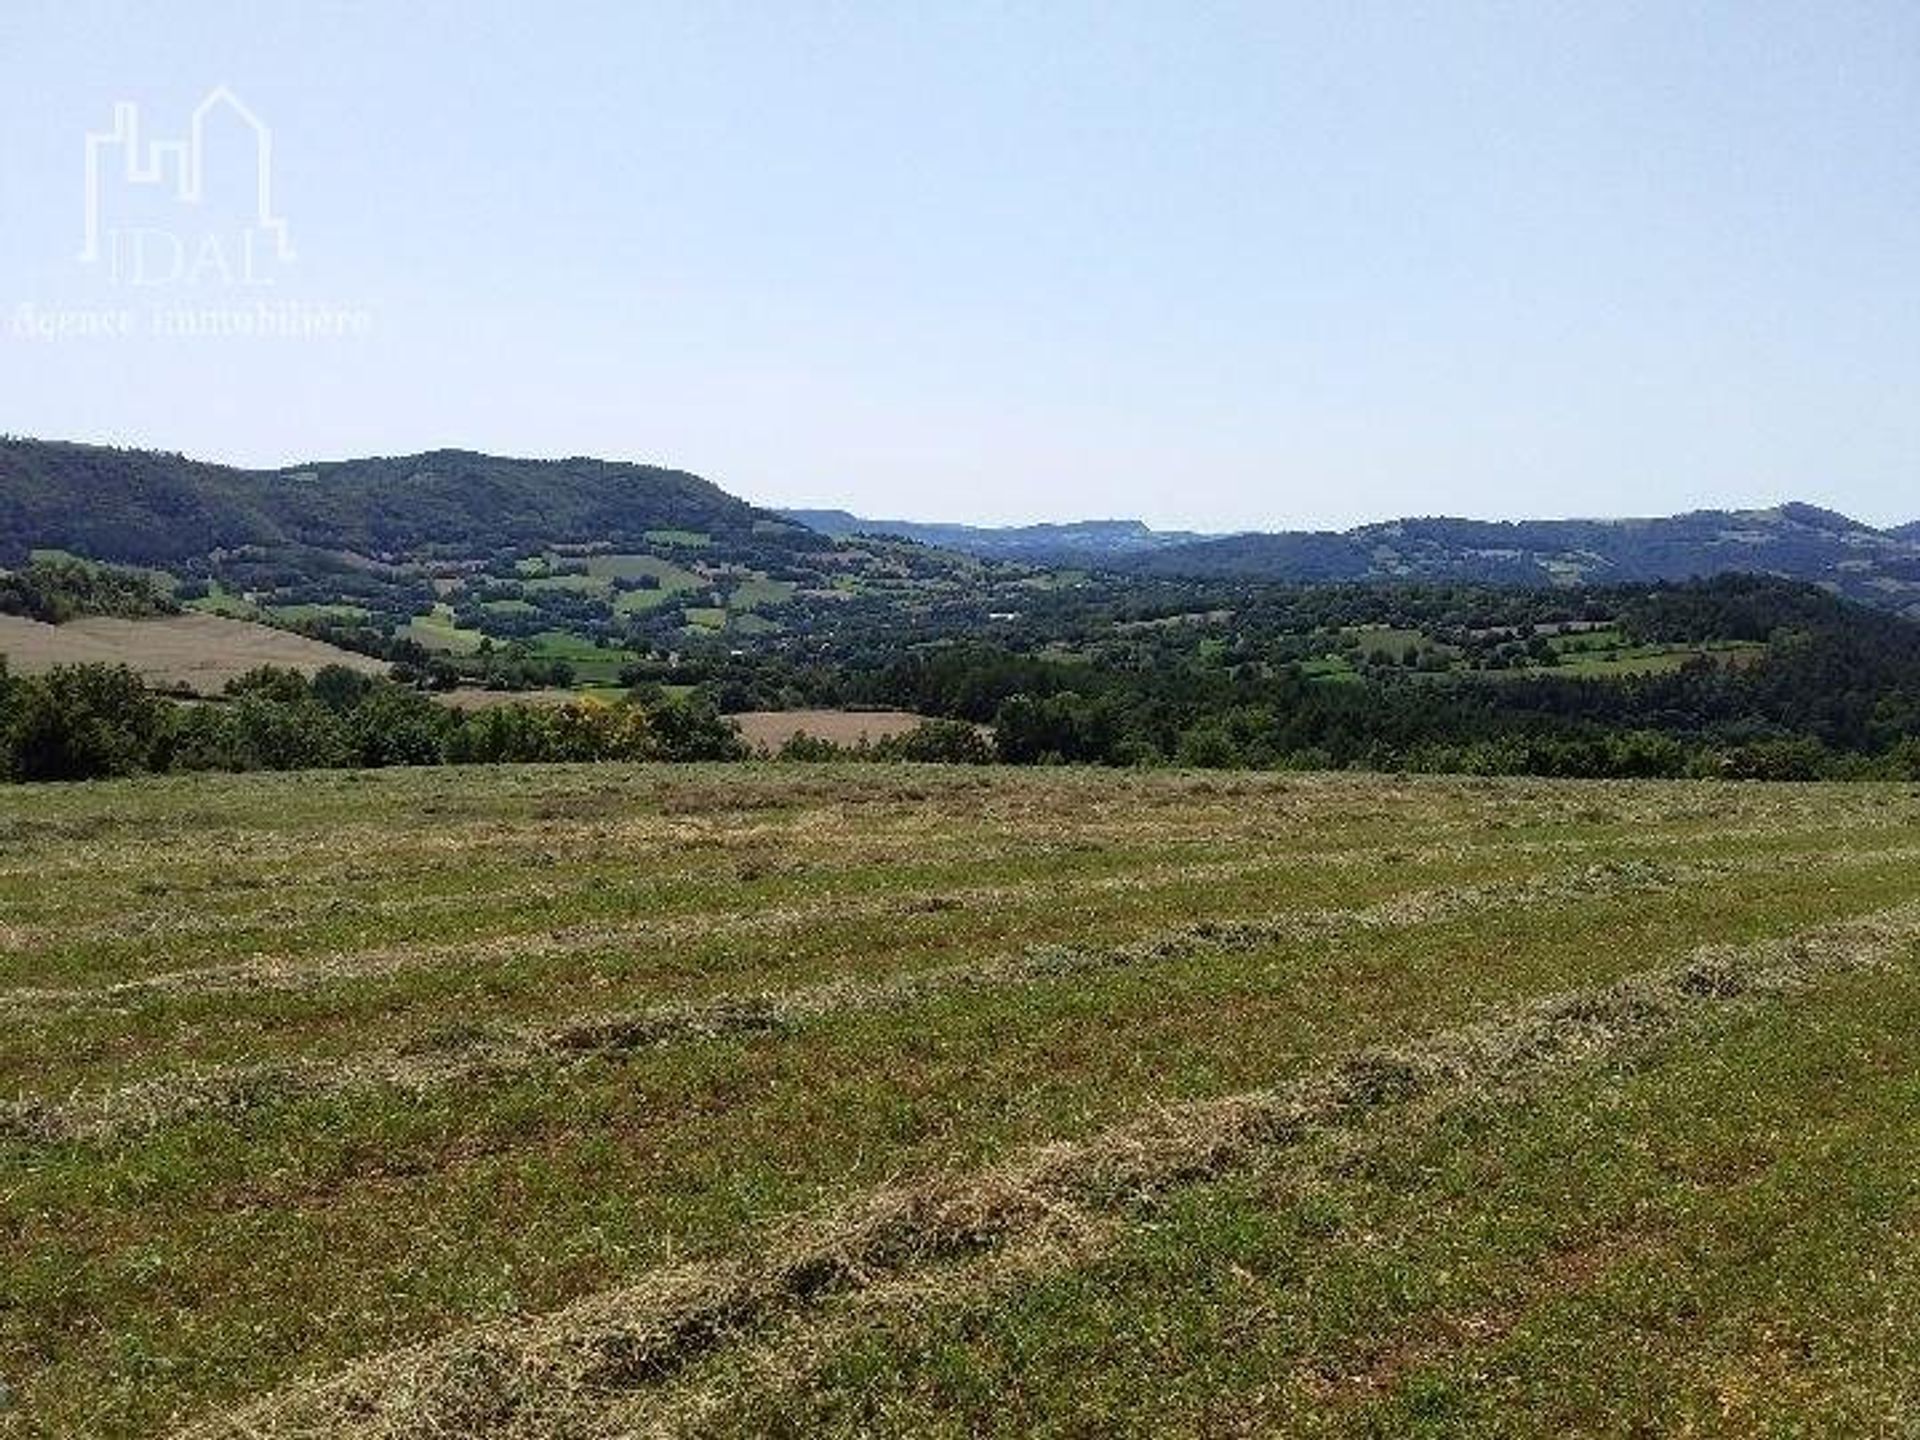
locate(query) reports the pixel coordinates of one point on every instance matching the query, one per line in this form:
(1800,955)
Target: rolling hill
(146,508)
(1078,542)
(1796,541)
(578,566)
(519,548)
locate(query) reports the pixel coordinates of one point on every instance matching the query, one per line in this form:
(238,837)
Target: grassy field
(748,1100)
(439,630)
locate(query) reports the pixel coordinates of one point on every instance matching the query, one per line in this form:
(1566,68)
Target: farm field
(762,1099)
(770,729)
(200,652)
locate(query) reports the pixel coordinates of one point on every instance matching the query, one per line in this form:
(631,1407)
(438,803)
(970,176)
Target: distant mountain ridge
(1075,542)
(163,510)
(1798,541)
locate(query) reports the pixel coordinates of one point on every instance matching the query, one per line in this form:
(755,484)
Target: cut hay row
(300,972)
(351,846)
(303,972)
(232,1092)
(641,819)
(593,1367)
(762,860)
(765,850)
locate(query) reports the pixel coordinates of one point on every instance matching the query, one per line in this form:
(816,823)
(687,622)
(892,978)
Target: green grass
(220,601)
(318,612)
(1711,1240)
(751,594)
(1718,1226)
(674,580)
(690,539)
(592,665)
(564,644)
(1332,668)
(1656,659)
(1395,642)
(635,567)
(572,584)
(439,631)
(633,602)
(1590,654)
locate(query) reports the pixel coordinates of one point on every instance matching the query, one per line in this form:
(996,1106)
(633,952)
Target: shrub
(79,722)
(396,726)
(945,742)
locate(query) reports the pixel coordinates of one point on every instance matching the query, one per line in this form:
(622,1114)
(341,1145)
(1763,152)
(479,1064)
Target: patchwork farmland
(779,1099)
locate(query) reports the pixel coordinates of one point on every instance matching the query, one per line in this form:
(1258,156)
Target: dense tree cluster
(146,508)
(55,591)
(87,721)
(1827,689)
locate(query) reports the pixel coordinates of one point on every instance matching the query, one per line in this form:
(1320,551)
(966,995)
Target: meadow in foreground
(548,1101)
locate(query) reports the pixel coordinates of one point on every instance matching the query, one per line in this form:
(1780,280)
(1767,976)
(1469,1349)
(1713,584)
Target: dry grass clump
(571,1372)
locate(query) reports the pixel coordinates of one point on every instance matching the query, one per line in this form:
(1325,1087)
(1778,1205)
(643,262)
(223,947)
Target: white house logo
(196,210)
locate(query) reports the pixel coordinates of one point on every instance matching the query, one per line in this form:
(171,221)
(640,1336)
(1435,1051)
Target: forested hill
(1800,542)
(450,512)
(1795,541)
(1076,542)
(146,508)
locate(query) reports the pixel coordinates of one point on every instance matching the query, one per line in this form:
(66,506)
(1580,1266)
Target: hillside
(578,567)
(390,534)
(146,508)
(1800,542)
(1080,542)
(864,1100)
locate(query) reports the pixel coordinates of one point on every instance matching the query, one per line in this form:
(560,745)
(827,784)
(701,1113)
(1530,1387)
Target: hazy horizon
(1896,520)
(1231,271)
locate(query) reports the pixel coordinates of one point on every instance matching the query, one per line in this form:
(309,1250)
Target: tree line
(1826,690)
(57,590)
(84,722)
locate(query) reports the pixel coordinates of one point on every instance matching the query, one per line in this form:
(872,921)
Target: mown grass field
(749,1100)
(199,652)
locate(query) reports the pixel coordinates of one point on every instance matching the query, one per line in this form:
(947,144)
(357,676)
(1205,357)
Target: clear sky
(1213,265)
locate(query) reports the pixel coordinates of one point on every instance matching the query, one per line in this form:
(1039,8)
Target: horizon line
(1196,529)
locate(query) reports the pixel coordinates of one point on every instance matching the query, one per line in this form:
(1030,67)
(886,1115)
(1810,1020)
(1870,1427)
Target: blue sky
(1217,266)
